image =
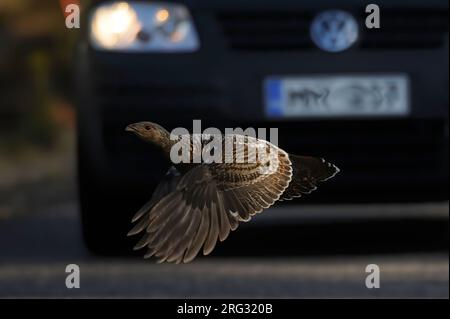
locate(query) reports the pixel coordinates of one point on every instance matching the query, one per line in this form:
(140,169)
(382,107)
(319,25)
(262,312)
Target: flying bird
(197,204)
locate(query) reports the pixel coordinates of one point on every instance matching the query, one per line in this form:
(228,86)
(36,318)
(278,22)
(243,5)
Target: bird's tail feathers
(307,173)
(313,167)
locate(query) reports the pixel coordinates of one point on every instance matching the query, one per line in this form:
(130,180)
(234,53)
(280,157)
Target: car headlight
(142,27)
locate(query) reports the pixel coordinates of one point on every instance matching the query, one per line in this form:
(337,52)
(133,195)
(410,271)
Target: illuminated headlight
(142,27)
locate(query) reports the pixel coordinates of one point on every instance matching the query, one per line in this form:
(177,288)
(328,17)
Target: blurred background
(51,80)
(37,112)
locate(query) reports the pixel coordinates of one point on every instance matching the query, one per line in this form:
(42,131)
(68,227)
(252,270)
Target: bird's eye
(147,127)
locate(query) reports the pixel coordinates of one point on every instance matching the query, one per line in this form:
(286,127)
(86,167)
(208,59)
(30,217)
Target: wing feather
(199,238)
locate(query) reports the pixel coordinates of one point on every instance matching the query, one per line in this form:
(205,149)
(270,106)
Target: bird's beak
(131,128)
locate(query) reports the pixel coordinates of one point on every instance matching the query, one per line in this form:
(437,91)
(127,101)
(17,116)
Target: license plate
(337,96)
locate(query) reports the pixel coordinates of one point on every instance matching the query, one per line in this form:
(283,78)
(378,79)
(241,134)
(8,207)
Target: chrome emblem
(334,30)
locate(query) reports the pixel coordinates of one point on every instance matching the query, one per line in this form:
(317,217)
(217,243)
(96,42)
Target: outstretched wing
(167,185)
(209,201)
(307,172)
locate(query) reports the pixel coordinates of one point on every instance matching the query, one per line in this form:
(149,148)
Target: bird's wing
(307,172)
(167,185)
(208,203)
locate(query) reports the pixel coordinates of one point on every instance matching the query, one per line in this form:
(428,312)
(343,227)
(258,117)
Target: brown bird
(197,204)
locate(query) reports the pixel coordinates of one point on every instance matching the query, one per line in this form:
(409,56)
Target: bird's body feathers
(197,204)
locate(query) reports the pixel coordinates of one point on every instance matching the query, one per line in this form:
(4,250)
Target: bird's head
(150,132)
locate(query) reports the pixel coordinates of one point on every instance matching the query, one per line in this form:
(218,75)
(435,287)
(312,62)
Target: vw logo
(334,30)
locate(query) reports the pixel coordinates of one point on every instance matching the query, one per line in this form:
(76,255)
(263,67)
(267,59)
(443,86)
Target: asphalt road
(35,249)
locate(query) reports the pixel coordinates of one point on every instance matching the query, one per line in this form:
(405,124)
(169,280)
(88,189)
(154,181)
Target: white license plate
(337,96)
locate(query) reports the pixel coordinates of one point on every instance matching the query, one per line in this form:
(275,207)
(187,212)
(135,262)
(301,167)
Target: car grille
(117,90)
(391,157)
(378,159)
(281,31)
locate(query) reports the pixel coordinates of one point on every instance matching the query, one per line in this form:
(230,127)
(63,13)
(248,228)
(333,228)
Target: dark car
(374,101)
